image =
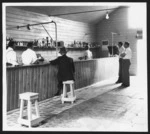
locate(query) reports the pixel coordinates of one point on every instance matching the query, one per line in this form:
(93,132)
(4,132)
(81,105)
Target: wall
(68,30)
(118,23)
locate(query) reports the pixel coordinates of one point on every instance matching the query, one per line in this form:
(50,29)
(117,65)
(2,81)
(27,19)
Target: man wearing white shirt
(29,56)
(11,58)
(88,53)
(126,57)
(121,50)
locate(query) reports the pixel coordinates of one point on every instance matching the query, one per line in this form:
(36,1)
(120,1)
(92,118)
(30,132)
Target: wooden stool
(72,97)
(23,120)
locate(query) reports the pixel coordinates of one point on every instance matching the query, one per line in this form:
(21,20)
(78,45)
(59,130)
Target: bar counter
(42,78)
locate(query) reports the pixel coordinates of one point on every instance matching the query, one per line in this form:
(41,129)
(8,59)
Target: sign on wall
(105,42)
(139,34)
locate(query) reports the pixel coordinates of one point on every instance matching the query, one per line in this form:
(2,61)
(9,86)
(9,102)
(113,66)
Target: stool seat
(28,96)
(30,119)
(68,82)
(64,96)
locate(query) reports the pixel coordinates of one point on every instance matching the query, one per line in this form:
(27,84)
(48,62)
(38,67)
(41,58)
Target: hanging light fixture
(28,27)
(107,15)
(18,27)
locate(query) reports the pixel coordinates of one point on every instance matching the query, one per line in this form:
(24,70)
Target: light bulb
(107,16)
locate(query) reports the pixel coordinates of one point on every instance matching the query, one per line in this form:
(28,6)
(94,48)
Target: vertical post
(112,45)
(56,38)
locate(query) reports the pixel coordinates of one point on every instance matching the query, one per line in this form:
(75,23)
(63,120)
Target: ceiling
(72,12)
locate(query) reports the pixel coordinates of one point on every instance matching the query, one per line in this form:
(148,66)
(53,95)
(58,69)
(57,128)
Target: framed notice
(105,42)
(139,34)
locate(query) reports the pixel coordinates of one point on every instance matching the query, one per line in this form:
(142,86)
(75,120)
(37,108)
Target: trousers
(125,72)
(60,87)
(120,70)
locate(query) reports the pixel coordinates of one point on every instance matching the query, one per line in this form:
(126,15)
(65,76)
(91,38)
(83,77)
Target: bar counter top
(47,62)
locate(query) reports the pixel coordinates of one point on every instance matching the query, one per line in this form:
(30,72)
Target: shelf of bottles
(41,43)
(49,43)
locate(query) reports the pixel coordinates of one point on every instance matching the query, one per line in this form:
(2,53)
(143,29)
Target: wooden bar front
(42,78)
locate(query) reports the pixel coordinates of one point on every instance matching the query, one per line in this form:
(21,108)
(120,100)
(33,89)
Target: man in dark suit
(66,69)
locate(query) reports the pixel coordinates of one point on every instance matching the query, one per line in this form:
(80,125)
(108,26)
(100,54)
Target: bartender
(11,58)
(29,56)
(87,54)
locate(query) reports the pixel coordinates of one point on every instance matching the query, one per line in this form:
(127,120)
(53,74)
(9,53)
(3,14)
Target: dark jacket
(66,68)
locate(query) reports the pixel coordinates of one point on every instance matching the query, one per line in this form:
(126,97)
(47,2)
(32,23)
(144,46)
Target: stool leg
(72,92)
(64,93)
(21,109)
(71,89)
(29,112)
(64,90)
(37,108)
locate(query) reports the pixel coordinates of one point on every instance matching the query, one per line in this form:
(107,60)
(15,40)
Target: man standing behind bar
(88,53)
(29,55)
(121,50)
(11,58)
(126,56)
(66,69)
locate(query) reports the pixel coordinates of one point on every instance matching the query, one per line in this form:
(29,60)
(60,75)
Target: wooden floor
(117,109)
